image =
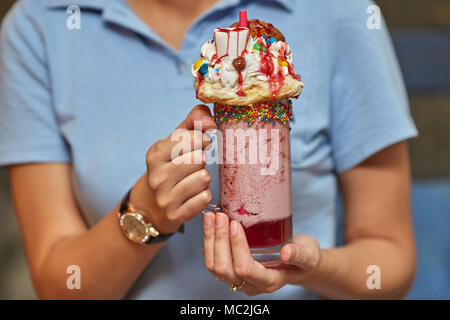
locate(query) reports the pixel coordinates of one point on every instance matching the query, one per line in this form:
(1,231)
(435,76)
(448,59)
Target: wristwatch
(137,226)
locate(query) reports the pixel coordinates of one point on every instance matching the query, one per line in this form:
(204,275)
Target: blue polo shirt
(98,97)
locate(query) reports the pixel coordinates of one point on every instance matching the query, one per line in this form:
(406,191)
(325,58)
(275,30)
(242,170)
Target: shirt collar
(117,12)
(91,4)
(101,4)
(287,4)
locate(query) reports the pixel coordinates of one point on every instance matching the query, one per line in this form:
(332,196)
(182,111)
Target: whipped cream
(265,59)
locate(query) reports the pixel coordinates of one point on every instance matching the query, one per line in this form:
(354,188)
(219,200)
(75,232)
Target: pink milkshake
(255,179)
(247,72)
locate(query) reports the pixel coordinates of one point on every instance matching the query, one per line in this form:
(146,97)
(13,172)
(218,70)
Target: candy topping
(282,63)
(266,65)
(249,56)
(198,63)
(239,64)
(203,69)
(272,40)
(263,112)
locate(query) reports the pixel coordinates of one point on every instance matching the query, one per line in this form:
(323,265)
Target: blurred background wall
(421,34)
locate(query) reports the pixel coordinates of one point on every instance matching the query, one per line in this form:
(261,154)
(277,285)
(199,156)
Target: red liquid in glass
(269,234)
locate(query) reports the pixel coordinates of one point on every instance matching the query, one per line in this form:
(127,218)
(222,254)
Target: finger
(209,222)
(178,143)
(303,252)
(183,141)
(223,265)
(195,157)
(176,172)
(251,290)
(198,113)
(193,206)
(244,264)
(188,140)
(190,186)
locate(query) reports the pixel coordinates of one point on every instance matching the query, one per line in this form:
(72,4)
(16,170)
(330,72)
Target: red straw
(243,18)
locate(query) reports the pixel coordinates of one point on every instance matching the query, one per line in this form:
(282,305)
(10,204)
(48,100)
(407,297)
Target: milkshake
(247,72)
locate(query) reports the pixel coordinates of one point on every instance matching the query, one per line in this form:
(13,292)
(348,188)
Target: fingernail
(233,227)
(220,219)
(209,123)
(207,220)
(207,119)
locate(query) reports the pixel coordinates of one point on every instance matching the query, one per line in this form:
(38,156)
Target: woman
(86,113)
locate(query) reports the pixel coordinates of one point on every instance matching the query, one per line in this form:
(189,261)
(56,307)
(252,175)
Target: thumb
(199,117)
(303,252)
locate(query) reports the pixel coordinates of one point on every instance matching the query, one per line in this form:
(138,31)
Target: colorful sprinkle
(267,112)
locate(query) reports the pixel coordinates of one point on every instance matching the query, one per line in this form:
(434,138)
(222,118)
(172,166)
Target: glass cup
(255,176)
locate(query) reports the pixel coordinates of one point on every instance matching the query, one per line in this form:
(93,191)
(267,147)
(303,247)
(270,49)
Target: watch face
(134,227)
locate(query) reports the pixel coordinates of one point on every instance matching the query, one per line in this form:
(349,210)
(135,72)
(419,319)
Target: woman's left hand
(228,258)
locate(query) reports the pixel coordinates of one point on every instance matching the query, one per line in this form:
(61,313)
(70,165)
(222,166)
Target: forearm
(108,261)
(342,272)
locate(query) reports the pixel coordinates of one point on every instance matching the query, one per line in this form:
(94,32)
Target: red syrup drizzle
(215,59)
(240,92)
(290,66)
(241,211)
(276,83)
(237,47)
(292,73)
(267,66)
(227,31)
(275,79)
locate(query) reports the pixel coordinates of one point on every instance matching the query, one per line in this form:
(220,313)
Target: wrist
(319,273)
(143,199)
(308,264)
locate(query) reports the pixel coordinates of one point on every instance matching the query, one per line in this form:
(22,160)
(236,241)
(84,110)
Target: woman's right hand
(178,186)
